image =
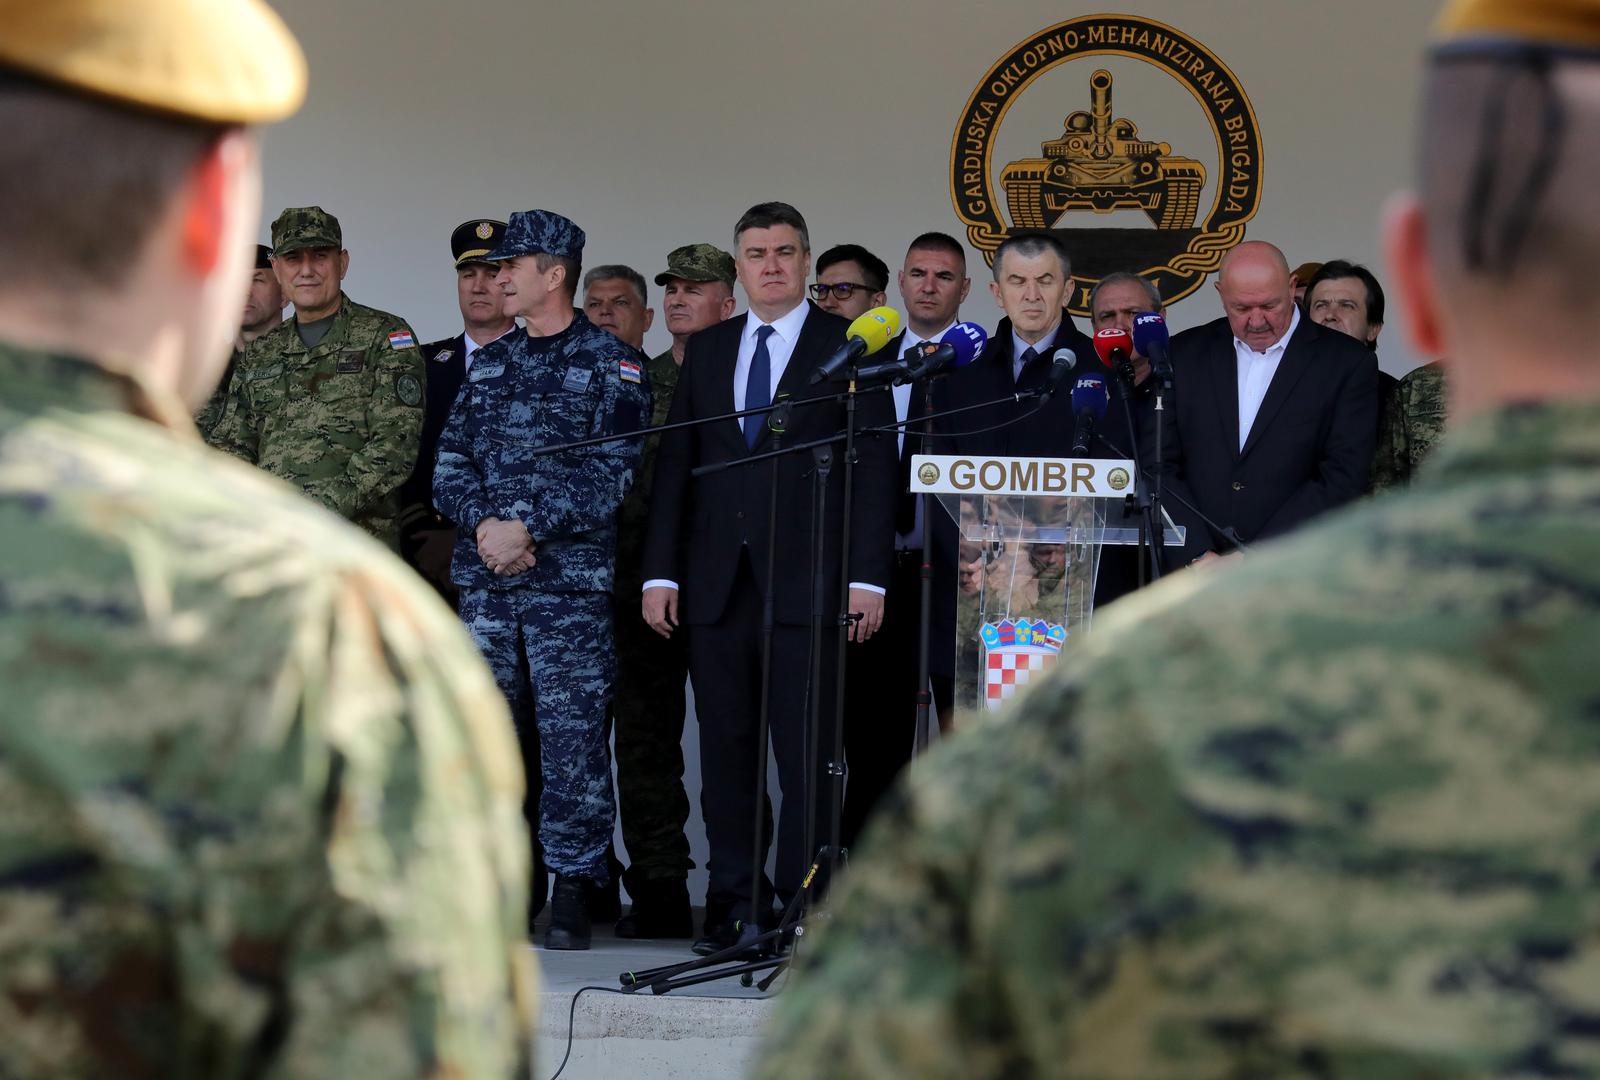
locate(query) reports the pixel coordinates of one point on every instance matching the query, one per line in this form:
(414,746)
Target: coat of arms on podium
(1014,652)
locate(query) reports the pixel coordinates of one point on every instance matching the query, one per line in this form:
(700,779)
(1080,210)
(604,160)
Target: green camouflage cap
(698,262)
(305,227)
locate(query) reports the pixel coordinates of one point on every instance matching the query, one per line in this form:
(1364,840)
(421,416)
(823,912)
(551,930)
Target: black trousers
(880,708)
(725,669)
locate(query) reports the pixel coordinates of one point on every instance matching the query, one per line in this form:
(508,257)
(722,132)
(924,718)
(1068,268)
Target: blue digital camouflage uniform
(547,632)
(1331,813)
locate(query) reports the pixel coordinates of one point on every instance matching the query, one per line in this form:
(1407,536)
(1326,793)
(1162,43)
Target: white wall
(656,124)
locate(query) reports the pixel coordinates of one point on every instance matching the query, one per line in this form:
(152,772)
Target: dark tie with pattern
(758,388)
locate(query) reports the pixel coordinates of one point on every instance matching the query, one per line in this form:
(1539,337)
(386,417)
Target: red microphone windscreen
(1112,340)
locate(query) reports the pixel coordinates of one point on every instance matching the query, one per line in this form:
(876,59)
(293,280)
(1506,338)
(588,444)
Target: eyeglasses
(841,290)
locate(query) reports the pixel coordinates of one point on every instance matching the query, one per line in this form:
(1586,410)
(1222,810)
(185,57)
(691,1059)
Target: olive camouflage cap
(301,227)
(698,262)
(539,232)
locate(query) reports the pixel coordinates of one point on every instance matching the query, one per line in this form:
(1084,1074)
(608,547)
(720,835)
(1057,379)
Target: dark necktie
(905,504)
(758,388)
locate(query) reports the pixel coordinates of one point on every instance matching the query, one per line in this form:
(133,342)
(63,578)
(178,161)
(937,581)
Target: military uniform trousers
(648,709)
(553,659)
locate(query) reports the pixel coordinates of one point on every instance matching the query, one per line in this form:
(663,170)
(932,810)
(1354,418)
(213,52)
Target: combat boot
(569,916)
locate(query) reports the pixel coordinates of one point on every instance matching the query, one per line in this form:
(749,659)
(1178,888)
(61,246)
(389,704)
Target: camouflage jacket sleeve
(585,487)
(1390,460)
(405,955)
(459,491)
(235,431)
(394,421)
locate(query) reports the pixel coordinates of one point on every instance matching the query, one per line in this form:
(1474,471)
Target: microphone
(1113,346)
(1150,339)
(869,333)
(1090,399)
(959,347)
(1061,364)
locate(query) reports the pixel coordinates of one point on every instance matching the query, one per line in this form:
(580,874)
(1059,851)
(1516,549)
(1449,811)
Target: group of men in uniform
(460,454)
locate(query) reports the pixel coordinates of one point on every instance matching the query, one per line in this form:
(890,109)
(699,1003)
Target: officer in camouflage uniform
(330,401)
(1413,422)
(263,311)
(649,705)
(538,540)
(257,819)
(1332,812)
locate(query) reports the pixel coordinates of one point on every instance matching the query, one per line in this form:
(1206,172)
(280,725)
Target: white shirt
(1040,347)
(780,346)
(1255,375)
(470,347)
(902,408)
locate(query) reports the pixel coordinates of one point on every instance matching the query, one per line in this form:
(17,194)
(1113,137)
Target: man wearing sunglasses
(850,281)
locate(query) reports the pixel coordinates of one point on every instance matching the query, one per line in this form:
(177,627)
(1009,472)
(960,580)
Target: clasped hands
(505,546)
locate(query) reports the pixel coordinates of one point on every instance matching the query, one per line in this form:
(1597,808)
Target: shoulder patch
(409,389)
(443,355)
(402,339)
(629,370)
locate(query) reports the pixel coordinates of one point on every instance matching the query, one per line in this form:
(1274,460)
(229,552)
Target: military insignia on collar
(484,230)
(629,369)
(350,361)
(442,355)
(402,339)
(409,389)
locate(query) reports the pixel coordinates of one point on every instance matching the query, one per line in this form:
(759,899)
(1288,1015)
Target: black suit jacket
(698,525)
(1310,449)
(447,370)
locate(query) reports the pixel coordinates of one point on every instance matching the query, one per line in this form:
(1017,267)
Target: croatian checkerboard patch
(1013,653)
(402,339)
(631,372)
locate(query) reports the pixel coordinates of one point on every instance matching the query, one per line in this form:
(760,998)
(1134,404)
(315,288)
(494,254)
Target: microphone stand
(925,585)
(1148,524)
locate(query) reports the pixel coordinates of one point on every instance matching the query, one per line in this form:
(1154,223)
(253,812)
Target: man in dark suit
(1272,417)
(427,537)
(1032,276)
(881,674)
(1113,303)
(708,540)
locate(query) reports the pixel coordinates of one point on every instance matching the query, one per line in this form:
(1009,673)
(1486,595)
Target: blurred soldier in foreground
(538,541)
(1347,827)
(330,401)
(263,311)
(258,819)
(427,537)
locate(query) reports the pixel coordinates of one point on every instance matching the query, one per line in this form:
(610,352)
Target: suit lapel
(1296,359)
(1225,384)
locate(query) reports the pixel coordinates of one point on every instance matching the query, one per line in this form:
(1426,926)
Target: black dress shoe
(727,935)
(569,919)
(660,910)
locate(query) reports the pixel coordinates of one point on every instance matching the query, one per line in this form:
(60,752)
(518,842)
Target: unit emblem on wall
(1193,200)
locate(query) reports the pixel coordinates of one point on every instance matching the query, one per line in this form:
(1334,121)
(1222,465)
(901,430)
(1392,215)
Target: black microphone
(1061,364)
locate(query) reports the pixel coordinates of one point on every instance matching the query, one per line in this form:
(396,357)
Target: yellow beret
(223,61)
(1562,23)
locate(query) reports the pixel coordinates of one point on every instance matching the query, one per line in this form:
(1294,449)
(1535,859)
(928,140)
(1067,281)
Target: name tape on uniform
(1099,478)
